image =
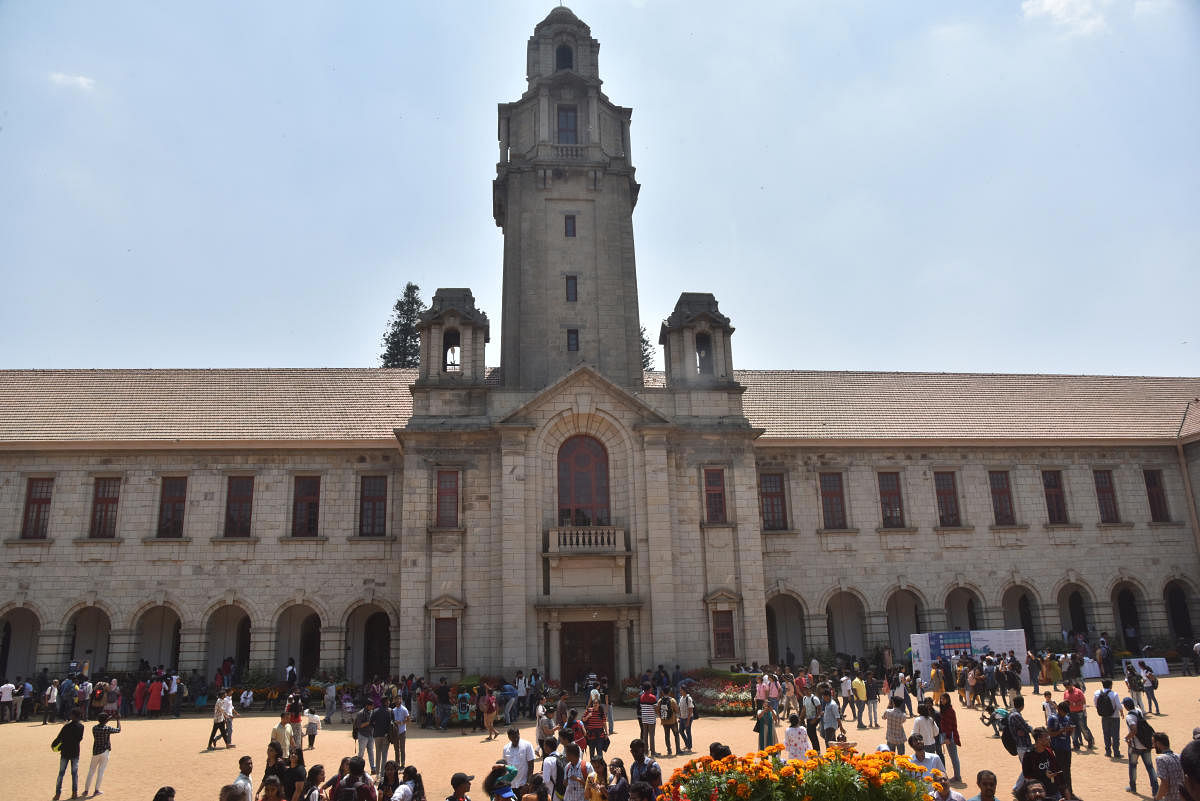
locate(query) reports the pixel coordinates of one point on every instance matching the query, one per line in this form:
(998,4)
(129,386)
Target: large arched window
(582,483)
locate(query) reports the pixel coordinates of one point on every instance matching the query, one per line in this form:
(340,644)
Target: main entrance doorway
(587,648)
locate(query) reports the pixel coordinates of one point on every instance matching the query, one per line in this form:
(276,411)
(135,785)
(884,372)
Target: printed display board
(954,644)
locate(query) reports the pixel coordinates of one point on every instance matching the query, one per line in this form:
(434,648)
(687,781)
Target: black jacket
(69,737)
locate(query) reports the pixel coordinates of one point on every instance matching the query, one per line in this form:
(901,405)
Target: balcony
(569,540)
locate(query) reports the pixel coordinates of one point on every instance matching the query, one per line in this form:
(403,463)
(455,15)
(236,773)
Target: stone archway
(785,631)
(19,630)
(846,620)
(904,612)
(1021,610)
(368,643)
(1127,613)
(298,636)
(87,639)
(964,610)
(228,632)
(1177,597)
(157,632)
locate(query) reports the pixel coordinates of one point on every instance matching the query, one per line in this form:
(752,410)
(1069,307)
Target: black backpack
(1007,739)
(1104,704)
(1145,732)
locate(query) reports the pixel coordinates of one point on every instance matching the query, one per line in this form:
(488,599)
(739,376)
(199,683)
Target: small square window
(572,339)
(569,225)
(572,289)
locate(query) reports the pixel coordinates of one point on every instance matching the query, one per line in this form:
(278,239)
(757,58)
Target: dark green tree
(647,351)
(401,342)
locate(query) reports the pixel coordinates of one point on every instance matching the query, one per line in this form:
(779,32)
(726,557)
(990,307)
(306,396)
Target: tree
(647,351)
(401,342)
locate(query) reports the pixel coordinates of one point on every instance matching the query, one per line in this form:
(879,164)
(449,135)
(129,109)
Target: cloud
(1083,17)
(74,81)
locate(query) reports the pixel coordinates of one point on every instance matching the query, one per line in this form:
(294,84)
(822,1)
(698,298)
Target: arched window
(451,351)
(564,58)
(582,483)
(704,355)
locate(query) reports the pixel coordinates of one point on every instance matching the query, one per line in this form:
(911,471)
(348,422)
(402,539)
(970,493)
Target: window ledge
(837,531)
(28,541)
(166,540)
(1166,524)
(358,538)
(1119,524)
(287,538)
(250,540)
(779,531)
(98,540)
(901,530)
(1062,526)
(706,524)
(440,530)
(1010,527)
(953,529)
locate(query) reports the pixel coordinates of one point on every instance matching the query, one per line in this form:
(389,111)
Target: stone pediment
(587,386)
(445,602)
(722,595)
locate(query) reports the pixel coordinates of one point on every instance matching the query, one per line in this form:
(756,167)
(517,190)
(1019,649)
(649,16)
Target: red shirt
(1075,699)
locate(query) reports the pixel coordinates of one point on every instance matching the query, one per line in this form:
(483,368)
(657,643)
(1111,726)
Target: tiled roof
(363,404)
(202,405)
(813,404)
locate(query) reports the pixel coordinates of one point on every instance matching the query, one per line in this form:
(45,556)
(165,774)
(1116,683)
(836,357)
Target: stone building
(567,510)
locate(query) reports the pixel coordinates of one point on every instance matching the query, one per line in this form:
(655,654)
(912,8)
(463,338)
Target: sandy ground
(151,753)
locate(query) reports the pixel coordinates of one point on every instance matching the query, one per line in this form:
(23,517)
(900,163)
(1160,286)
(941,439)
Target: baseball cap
(459,778)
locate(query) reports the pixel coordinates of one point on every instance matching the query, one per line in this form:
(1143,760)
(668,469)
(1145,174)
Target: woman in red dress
(154,702)
(139,698)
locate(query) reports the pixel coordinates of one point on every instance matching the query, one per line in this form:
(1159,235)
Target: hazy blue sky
(956,186)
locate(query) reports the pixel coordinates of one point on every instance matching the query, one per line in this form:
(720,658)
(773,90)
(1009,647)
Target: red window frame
(171,502)
(945,485)
(891,504)
(372,506)
(1157,497)
(833,501)
(714,495)
(239,505)
(36,522)
(583,482)
(106,496)
(1002,501)
(445,642)
(1106,496)
(724,646)
(306,506)
(1056,500)
(774,503)
(447,499)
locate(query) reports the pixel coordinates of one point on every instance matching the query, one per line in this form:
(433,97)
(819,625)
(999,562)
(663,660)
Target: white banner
(927,647)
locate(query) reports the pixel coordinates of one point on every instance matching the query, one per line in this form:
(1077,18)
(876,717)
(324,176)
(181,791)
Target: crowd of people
(916,713)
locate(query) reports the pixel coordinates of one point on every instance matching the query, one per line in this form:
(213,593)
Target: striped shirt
(100,738)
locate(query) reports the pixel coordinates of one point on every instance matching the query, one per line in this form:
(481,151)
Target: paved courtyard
(148,754)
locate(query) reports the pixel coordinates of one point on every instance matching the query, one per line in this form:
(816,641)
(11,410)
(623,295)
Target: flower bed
(714,691)
(836,775)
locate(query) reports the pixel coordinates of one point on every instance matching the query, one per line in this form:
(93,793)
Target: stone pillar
(51,650)
(518,543)
(622,635)
(543,114)
(718,354)
(660,546)
(193,650)
(262,649)
(554,663)
(1153,619)
(593,136)
(333,649)
(748,542)
(932,619)
(122,650)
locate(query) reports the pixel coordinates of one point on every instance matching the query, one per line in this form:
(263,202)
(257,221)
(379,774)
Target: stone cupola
(453,334)
(696,342)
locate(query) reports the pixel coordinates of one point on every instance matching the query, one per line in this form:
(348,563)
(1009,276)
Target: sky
(993,186)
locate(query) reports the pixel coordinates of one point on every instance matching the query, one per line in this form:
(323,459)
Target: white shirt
(6,692)
(550,768)
(223,710)
(519,756)
(951,795)
(51,694)
(930,762)
(521,687)
(926,728)
(403,793)
(243,781)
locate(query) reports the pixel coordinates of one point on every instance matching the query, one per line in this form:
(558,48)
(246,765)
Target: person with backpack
(1108,708)
(643,769)
(1135,684)
(1149,685)
(1018,730)
(554,773)
(668,715)
(647,715)
(1139,737)
(355,785)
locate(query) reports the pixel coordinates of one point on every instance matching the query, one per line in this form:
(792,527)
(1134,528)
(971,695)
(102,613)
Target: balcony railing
(570,151)
(587,539)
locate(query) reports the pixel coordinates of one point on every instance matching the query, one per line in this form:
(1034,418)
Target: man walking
(223,713)
(1168,768)
(400,716)
(1139,739)
(1108,709)
(687,711)
(381,729)
(519,754)
(1077,703)
(363,730)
